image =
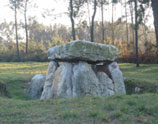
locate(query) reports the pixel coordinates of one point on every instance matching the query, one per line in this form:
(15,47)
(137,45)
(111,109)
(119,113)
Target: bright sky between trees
(59,7)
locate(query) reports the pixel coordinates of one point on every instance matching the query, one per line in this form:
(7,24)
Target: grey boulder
(36,86)
(117,76)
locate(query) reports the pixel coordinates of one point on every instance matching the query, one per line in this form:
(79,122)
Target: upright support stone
(106,84)
(49,80)
(84,81)
(62,83)
(119,86)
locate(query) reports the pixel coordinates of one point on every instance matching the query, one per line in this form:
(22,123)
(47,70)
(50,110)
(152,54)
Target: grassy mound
(17,75)
(145,77)
(135,86)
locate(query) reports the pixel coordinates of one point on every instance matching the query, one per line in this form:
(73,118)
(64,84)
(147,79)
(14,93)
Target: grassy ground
(129,109)
(145,73)
(135,109)
(145,77)
(16,76)
(22,71)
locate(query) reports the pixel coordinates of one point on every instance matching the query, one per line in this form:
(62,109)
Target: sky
(59,7)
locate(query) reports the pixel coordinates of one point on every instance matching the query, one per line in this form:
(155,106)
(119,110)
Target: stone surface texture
(46,94)
(62,83)
(36,86)
(78,79)
(106,84)
(117,77)
(83,51)
(84,81)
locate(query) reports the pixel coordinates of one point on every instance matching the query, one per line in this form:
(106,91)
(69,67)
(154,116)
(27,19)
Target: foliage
(43,37)
(37,52)
(143,5)
(59,34)
(3,90)
(144,87)
(144,58)
(15,3)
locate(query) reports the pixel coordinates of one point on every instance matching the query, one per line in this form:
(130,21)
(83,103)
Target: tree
(136,32)
(74,9)
(140,7)
(132,22)
(26,26)
(92,21)
(14,5)
(102,3)
(72,20)
(114,2)
(155,13)
(6,31)
(89,18)
(126,19)
(25,7)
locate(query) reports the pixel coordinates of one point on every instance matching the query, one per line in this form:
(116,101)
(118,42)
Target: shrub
(145,87)
(3,90)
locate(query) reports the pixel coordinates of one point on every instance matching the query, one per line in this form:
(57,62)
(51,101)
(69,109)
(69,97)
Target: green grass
(145,73)
(16,75)
(22,71)
(145,77)
(87,110)
(129,109)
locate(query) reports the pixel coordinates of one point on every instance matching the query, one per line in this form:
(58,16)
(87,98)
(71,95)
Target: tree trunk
(72,20)
(16,32)
(126,20)
(132,20)
(26,27)
(92,26)
(102,15)
(92,23)
(136,33)
(113,23)
(89,18)
(155,13)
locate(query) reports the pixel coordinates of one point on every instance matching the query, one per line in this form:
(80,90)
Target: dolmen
(83,68)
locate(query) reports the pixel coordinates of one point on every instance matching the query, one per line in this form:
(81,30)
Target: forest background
(26,38)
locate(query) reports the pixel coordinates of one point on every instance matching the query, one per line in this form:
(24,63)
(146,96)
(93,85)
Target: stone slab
(83,51)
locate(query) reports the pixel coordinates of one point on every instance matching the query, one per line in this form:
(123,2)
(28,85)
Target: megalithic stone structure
(73,77)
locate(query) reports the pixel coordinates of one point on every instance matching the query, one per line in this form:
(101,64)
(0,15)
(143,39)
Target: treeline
(28,40)
(42,37)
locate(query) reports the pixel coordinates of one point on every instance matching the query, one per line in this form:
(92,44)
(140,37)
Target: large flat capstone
(83,51)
